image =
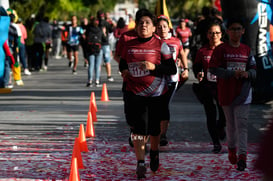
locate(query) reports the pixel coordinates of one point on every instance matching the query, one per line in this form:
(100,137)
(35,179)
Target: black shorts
(64,43)
(72,48)
(186,45)
(143,114)
(48,46)
(167,99)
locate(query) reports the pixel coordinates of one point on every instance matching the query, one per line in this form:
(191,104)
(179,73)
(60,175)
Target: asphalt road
(41,119)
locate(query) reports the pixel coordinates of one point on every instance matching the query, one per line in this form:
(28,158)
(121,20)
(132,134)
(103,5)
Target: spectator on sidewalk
(145,62)
(84,26)
(93,36)
(42,34)
(9,63)
(64,38)
(235,67)
(30,24)
(131,24)
(56,39)
(111,39)
(48,45)
(106,29)
(13,42)
(22,47)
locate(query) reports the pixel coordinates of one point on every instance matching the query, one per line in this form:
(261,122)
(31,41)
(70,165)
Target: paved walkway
(40,120)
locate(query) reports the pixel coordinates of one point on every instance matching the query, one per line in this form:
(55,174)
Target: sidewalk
(40,120)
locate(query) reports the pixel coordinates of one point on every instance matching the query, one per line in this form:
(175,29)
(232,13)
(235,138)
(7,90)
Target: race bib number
(211,77)
(236,66)
(173,51)
(136,70)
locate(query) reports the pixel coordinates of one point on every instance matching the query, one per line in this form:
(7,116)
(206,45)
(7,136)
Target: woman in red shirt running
(184,33)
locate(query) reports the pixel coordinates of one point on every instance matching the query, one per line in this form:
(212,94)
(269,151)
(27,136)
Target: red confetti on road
(116,161)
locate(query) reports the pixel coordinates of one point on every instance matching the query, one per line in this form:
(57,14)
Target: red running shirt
(203,57)
(142,82)
(230,58)
(125,37)
(175,47)
(184,35)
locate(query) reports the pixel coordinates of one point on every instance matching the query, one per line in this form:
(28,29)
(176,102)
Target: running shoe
(141,170)
(217,148)
(10,86)
(74,72)
(27,72)
(241,165)
(19,82)
(232,157)
(70,64)
(163,140)
(98,84)
(89,84)
(154,160)
(110,79)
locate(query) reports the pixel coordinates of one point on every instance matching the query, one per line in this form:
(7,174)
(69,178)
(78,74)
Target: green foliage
(63,9)
(60,9)
(25,8)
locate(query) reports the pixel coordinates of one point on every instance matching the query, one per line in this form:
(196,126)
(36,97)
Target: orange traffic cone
(77,154)
(93,100)
(93,112)
(74,172)
(89,126)
(104,93)
(82,139)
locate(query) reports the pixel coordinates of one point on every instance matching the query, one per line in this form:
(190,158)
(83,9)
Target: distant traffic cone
(77,154)
(104,93)
(74,172)
(93,100)
(82,139)
(89,126)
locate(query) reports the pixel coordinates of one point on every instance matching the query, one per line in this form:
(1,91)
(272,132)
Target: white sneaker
(110,79)
(57,57)
(10,86)
(98,84)
(19,82)
(27,72)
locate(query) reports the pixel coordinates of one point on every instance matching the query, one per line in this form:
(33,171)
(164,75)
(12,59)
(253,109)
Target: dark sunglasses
(214,33)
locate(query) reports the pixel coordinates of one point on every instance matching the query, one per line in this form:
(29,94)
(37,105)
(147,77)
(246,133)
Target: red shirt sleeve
(7,51)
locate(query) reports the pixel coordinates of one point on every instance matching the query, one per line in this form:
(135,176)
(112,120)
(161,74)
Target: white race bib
(236,66)
(211,77)
(136,70)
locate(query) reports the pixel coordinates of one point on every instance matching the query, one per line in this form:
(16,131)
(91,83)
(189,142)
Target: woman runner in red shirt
(145,62)
(180,59)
